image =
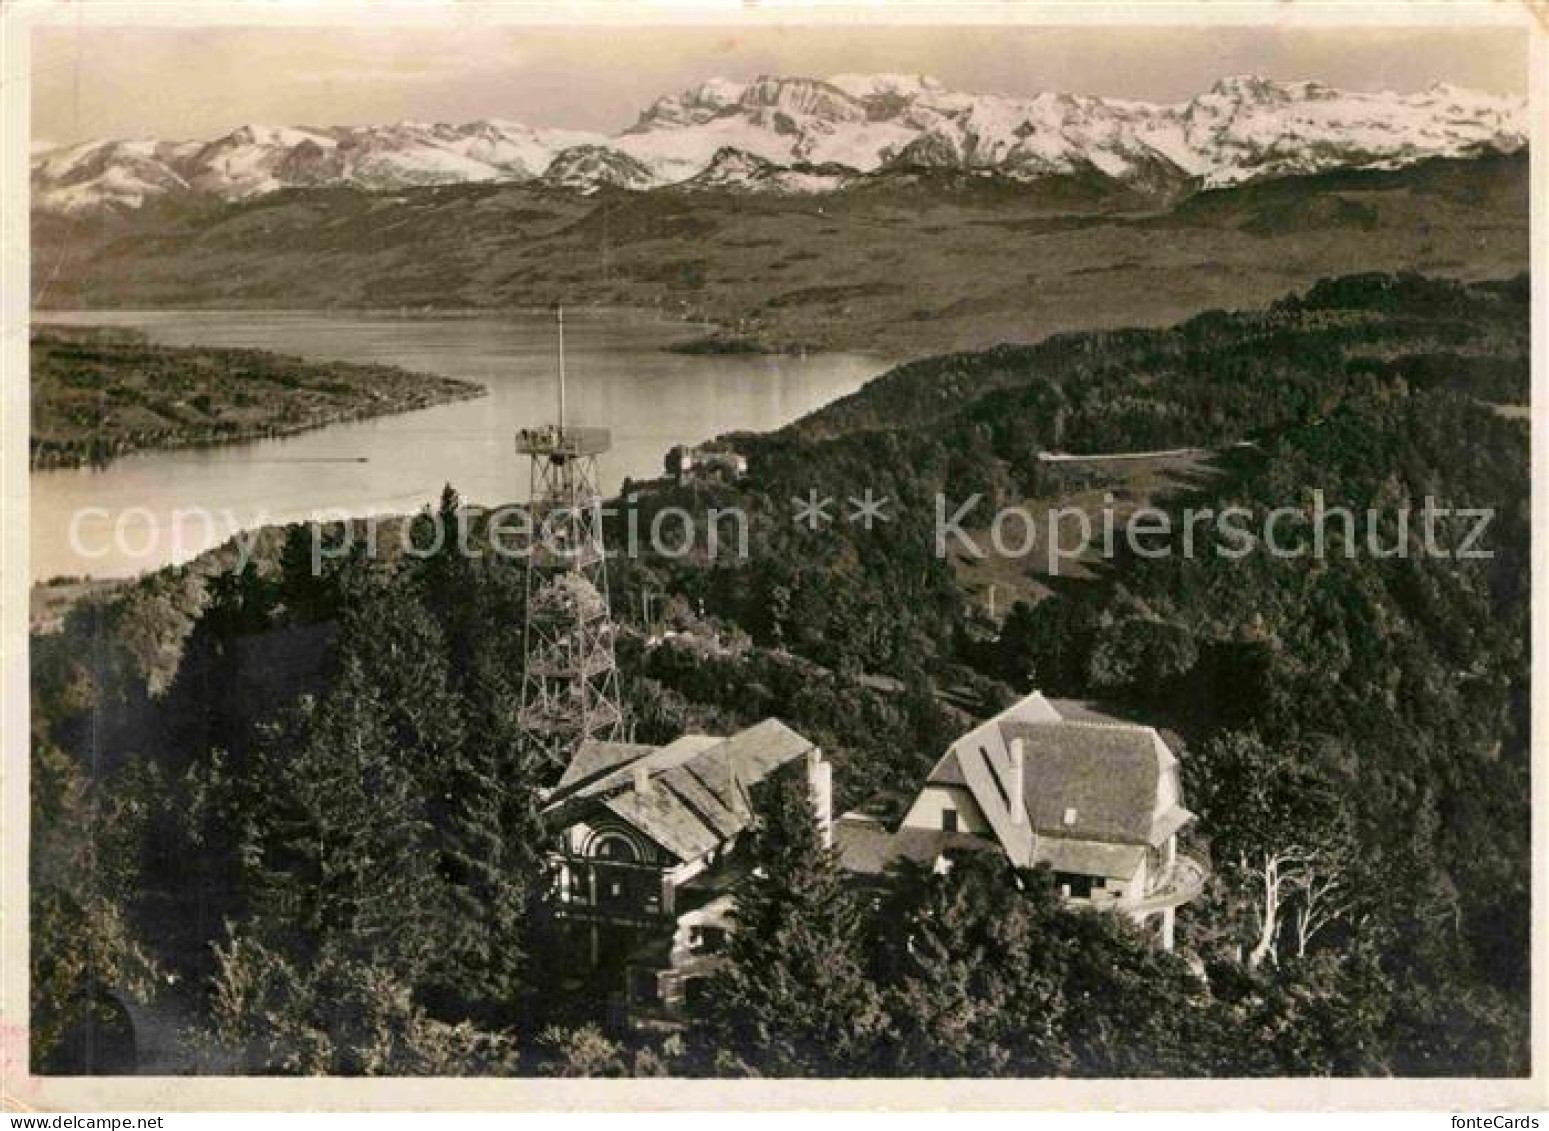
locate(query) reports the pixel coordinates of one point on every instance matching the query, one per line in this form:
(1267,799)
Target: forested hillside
(1356,732)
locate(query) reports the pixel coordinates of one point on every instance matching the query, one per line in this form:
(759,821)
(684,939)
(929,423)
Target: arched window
(613,846)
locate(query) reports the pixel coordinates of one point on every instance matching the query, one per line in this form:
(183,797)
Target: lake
(126,516)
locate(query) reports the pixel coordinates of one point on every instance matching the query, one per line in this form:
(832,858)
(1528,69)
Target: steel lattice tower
(570,686)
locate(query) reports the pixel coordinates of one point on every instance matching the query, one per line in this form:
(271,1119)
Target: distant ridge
(803,136)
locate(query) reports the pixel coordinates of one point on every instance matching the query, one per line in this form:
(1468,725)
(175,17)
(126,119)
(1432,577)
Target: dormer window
(949,820)
(1070,817)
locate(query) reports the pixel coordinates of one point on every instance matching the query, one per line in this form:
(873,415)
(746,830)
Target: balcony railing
(1177,884)
(551,440)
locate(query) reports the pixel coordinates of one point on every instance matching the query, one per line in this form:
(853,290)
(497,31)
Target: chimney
(642,780)
(1018,781)
(820,779)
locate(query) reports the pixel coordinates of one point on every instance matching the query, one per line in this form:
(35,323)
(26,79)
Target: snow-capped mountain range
(800,135)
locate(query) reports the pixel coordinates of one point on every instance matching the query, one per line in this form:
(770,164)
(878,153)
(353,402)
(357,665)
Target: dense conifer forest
(295,809)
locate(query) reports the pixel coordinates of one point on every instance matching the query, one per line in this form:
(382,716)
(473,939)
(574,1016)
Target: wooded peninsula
(98,394)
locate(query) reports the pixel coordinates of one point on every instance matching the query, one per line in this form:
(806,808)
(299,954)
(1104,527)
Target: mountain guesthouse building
(1096,799)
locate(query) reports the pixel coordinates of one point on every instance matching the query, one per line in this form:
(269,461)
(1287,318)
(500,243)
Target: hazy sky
(196,83)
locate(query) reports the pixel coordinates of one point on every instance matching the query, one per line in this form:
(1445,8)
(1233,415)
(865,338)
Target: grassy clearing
(1089,489)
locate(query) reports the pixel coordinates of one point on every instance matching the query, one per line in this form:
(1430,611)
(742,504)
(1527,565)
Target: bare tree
(1273,874)
(1324,886)
(1289,834)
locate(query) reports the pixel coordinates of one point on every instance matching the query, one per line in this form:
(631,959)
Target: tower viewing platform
(556,440)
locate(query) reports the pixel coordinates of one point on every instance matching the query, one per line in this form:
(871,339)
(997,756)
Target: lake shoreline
(100,394)
(275,432)
(165,505)
(709,338)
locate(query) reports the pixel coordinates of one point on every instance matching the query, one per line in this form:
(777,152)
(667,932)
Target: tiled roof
(600,766)
(1089,857)
(596,758)
(1103,776)
(868,848)
(1089,711)
(695,796)
(1086,711)
(948,771)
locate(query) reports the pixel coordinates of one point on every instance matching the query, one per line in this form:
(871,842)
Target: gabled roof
(686,822)
(762,748)
(596,758)
(1090,781)
(599,766)
(981,762)
(695,796)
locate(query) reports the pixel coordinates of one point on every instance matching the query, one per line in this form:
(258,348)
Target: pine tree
(973,972)
(84,948)
(447,578)
(340,848)
(205,708)
(306,576)
(793,998)
(337,1016)
(492,852)
(397,648)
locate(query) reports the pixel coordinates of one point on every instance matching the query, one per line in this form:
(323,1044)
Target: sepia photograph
(718,546)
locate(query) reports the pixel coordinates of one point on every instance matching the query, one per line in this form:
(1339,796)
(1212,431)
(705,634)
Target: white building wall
(1168,795)
(1132,889)
(926,811)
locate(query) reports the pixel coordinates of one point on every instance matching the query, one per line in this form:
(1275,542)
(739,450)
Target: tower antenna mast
(559,316)
(570,682)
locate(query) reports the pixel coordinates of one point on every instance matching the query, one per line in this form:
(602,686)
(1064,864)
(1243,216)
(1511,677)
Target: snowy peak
(735,170)
(590,168)
(799,134)
(587,168)
(1249,127)
(692,107)
(1252,89)
(114,175)
(256,159)
(768,99)
(881,86)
